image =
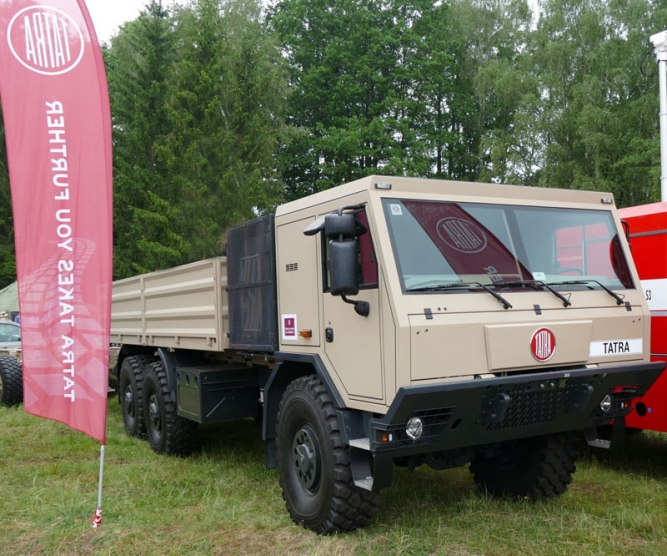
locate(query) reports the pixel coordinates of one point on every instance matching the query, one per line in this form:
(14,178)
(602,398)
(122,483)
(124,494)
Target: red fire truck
(647,228)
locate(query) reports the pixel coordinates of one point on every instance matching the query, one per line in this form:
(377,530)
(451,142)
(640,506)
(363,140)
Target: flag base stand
(96,522)
(97,519)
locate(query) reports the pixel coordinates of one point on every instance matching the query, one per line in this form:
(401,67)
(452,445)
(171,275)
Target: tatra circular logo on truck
(45,40)
(543,344)
(462,235)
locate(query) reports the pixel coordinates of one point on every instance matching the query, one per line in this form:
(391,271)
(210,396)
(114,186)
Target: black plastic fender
(291,367)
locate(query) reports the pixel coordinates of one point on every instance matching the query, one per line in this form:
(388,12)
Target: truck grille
(533,404)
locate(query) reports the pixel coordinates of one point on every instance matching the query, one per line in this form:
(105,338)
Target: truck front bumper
(486,411)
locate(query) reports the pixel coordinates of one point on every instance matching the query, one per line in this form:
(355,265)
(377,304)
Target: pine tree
(139,65)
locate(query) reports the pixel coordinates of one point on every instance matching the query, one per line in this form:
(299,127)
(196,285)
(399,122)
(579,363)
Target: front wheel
(168,432)
(314,465)
(11,381)
(533,468)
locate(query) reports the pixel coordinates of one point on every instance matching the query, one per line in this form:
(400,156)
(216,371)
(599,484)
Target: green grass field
(222,501)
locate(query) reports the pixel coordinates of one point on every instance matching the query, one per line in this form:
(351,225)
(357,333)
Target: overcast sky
(109,15)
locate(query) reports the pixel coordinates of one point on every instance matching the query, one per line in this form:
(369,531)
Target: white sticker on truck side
(634,346)
(655,293)
(289,327)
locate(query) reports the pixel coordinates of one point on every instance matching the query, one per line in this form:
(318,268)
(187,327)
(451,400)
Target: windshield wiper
(466,285)
(565,300)
(437,287)
(618,298)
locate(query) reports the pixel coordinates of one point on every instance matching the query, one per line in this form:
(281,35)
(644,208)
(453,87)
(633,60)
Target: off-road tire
(531,468)
(318,488)
(167,432)
(130,393)
(11,381)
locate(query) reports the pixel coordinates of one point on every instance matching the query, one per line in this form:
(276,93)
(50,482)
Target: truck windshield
(438,243)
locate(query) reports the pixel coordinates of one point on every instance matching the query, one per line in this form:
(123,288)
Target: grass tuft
(223,502)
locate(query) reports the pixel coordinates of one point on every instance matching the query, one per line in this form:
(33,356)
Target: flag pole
(659,41)
(97,518)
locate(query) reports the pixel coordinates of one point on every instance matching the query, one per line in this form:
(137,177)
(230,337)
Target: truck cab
(459,279)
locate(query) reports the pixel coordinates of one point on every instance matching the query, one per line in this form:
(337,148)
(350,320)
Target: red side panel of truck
(648,241)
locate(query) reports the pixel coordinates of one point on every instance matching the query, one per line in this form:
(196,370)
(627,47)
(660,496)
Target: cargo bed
(184,307)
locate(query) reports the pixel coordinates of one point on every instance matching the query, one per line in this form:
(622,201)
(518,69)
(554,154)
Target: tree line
(223,109)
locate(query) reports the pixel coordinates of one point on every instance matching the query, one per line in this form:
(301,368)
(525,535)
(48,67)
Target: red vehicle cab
(647,227)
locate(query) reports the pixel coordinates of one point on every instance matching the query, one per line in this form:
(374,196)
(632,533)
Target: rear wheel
(130,394)
(314,465)
(11,381)
(167,432)
(533,468)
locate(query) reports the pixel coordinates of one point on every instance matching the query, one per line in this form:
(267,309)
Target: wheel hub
(154,412)
(307,464)
(129,401)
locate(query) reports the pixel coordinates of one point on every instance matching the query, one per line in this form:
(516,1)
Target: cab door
(352,342)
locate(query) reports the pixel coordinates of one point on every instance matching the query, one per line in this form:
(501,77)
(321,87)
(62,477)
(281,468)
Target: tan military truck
(395,321)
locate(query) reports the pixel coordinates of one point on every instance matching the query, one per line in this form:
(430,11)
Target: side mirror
(344,276)
(341,226)
(342,229)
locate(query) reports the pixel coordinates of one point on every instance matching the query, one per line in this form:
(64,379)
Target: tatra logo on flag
(45,40)
(58,131)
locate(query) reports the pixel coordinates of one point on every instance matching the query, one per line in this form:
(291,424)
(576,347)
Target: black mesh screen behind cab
(251,283)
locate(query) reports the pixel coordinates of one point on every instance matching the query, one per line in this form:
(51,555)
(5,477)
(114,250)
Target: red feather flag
(57,120)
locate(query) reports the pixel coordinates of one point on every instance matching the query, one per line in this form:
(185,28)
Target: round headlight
(415,428)
(605,404)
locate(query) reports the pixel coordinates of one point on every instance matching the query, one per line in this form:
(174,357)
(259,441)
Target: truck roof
(481,191)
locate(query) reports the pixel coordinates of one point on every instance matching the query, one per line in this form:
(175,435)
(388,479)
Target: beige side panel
(183,307)
(299,284)
(508,346)
(127,316)
(445,350)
